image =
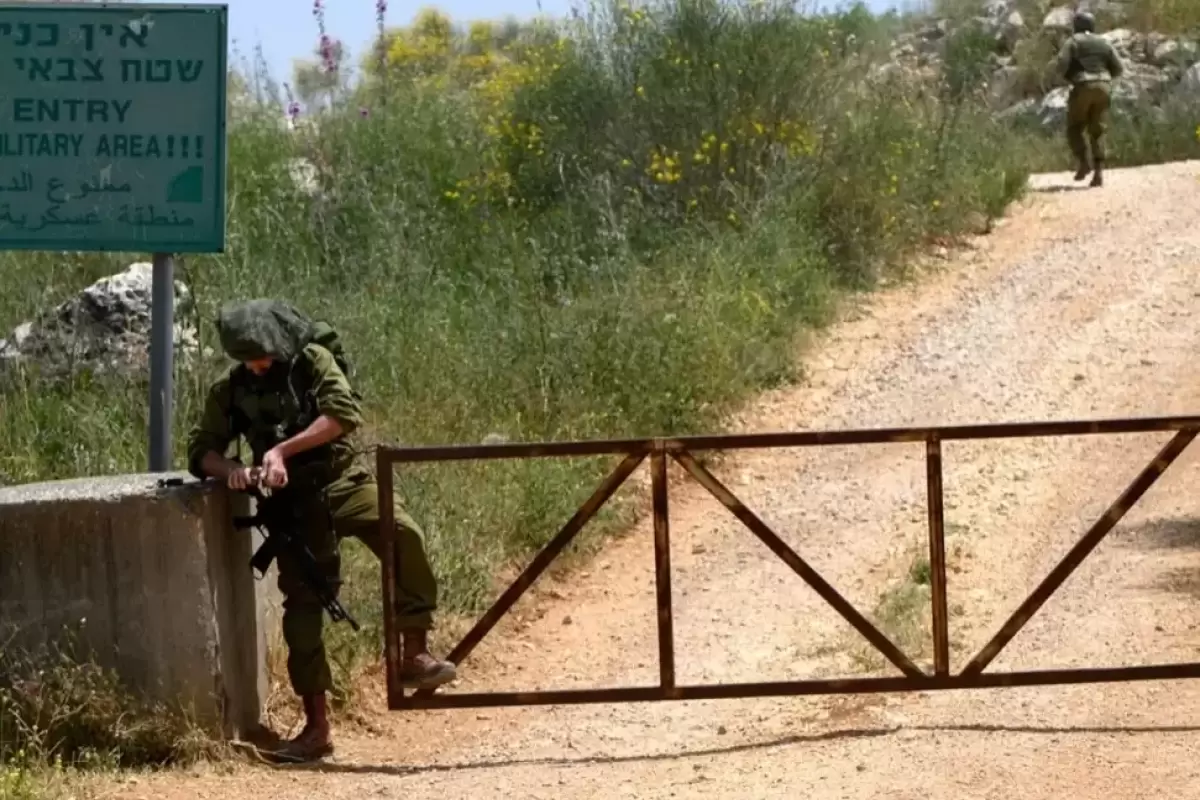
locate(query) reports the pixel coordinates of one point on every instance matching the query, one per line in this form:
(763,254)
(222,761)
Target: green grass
(617,227)
(902,613)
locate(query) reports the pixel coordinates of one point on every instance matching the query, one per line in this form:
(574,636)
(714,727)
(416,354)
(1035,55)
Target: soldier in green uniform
(1090,64)
(291,400)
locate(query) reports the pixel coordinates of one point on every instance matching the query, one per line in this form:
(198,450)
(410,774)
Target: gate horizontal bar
(750,441)
(926,683)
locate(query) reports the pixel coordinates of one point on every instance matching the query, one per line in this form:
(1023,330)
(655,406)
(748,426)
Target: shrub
(62,713)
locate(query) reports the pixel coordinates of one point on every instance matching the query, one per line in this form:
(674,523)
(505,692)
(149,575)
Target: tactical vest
(270,409)
(1089,62)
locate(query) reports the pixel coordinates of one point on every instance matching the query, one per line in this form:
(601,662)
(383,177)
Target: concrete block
(159,575)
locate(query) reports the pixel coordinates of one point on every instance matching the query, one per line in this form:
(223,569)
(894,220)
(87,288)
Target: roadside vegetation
(64,718)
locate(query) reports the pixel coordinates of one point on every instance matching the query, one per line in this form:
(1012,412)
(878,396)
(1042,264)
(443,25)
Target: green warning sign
(112,127)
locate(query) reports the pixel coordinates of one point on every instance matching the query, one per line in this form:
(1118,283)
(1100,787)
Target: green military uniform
(1089,63)
(330,496)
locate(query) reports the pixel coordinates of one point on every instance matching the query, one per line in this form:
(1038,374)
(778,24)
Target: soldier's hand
(240,479)
(274,472)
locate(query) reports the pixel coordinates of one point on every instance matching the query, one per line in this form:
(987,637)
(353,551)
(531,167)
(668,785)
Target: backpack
(324,334)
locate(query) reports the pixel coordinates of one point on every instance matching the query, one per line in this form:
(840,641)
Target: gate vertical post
(387,530)
(662,565)
(162,360)
(937,555)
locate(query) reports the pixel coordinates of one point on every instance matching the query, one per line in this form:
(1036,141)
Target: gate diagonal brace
(1141,484)
(789,556)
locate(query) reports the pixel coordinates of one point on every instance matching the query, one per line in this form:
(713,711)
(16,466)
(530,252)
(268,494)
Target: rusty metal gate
(911,679)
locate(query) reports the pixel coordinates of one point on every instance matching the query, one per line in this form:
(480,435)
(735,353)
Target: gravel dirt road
(1083,304)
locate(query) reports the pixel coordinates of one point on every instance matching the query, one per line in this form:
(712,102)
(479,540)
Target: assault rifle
(278,522)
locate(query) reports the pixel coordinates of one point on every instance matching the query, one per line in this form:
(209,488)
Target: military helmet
(1084,22)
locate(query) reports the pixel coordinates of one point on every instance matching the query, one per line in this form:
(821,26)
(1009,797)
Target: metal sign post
(162,363)
(112,139)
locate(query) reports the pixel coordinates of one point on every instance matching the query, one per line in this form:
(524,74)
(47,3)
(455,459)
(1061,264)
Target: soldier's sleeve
(334,396)
(1066,54)
(1115,67)
(212,431)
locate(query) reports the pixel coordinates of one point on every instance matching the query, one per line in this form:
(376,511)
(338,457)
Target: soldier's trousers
(349,506)
(1087,113)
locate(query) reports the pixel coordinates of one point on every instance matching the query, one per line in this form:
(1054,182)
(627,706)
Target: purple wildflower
(328,53)
(327,45)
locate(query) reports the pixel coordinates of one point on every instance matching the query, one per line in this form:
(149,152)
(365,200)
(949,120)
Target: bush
(60,706)
(62,713)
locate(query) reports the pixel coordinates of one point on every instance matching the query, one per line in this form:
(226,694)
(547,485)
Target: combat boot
(314,741)
(419,669)
(263,738)
(1083,170)
(1098,177)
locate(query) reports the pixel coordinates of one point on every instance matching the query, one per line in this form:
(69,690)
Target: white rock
(1053,108)
(106,327)
(1127,43)
(1189,87)
(1174,52)
(304,176)
(1059,19)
